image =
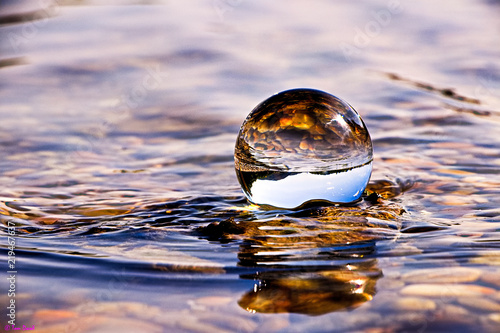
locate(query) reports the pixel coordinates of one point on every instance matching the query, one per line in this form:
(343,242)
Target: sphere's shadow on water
(314,260)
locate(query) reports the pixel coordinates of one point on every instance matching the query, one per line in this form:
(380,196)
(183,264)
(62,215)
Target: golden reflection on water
(313,263)
(117,132)
(314,292)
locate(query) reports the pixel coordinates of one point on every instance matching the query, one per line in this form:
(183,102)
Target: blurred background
(117,127)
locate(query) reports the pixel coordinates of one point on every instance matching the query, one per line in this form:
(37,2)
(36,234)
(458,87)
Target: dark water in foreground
(117,132)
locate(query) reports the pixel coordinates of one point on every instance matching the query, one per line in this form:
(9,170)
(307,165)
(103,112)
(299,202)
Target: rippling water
(117,131)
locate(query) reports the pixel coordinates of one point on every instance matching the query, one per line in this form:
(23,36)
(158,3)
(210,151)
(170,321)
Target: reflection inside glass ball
(303,145)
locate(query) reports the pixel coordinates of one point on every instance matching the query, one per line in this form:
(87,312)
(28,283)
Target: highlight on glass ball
(301,146)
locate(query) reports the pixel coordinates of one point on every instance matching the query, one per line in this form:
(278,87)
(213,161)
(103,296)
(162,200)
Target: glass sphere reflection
(303,145)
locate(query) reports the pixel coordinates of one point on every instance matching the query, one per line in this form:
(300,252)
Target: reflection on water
(117,133)
(318,261)
(312,291)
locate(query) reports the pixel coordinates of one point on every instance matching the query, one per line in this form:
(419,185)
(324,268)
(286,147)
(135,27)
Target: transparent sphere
(303,145)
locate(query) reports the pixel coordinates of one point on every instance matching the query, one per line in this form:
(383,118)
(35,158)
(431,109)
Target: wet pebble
(415,304)
(453,200)
(134,309)
(195,326)
(233,322)
(491,258)
(480,303)
(406,321)
(490,323)
(404,249)
(189,321)
(446,290)
(453,311)
(51,315)
(214,300)
(123,325)
(19,172)
(495,317)
(100,324)
(274,324)
(172,318)
(390,284)
(443,275)
(337,323)
(451,145)
(496,296)
(492,278)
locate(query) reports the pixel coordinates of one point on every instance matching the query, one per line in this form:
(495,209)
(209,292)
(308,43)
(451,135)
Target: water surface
(117,131)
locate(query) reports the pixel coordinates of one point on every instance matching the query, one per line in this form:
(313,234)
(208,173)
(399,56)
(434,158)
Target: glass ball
(303,145)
